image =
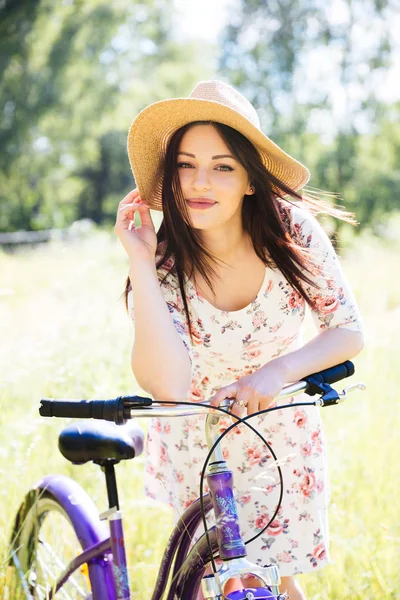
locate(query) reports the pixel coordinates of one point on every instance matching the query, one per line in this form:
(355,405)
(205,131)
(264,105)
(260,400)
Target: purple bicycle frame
(91,532)
(108,570)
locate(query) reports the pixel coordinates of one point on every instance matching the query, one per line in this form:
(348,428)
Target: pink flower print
(320,486)
(169,263)
(307,485)
(295,300)
(319,552)
(225,453)
(331,285)
(261,521)
(197,339)
(179,476)
(275,428)
(300,418)
(316,441)
(297,229)
(251,354)
(196,395)
(284,557)
(306,449)
(157,425)
(150,469)
(276,528)
(163,454)
(254,456)
(205,380)
(246,340)
(247,371)
(245,498)
(259,320)
(167,428)
(207,339)
(294,543)
(269,288)
(190,500)
(326,304)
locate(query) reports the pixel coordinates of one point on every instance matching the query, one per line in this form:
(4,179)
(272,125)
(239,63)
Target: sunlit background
(324,77)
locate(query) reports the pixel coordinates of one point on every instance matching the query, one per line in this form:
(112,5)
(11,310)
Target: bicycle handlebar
(122,408)
(328,376)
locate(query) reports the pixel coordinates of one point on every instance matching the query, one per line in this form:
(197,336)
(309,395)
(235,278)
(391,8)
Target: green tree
(307,67)
(70,91)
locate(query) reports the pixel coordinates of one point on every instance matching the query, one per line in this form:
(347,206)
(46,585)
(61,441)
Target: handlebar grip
(79,409)
(317,381)
(116,409)
(336,373)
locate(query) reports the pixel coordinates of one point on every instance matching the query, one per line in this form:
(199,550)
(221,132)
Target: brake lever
(354,386)
(331,396)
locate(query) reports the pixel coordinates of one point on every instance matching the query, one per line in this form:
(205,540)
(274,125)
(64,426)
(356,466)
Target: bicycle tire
(45,539)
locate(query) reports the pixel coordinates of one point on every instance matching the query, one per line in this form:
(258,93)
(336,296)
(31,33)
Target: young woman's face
(213,182)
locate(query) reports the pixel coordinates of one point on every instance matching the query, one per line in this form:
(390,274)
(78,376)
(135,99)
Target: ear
(250,190)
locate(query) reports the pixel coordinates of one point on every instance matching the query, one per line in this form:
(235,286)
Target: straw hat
(217,101)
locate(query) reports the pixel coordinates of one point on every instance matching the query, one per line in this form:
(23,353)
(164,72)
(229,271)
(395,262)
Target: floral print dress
(226,346)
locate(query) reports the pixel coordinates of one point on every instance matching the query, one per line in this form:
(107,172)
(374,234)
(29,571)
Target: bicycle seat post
(111,483)
(114,517)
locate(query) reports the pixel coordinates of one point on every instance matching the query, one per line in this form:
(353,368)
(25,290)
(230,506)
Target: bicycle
(98,570)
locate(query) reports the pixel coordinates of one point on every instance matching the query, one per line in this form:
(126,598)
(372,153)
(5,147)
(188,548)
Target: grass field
(64,333)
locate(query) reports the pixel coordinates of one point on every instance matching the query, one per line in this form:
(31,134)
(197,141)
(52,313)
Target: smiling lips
(201,203)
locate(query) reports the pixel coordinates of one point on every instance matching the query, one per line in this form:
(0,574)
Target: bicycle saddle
(83,441)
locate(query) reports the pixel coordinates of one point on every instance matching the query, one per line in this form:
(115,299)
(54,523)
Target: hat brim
(154,126)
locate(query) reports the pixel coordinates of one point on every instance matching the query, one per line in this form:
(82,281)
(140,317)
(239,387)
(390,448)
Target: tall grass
(64,333)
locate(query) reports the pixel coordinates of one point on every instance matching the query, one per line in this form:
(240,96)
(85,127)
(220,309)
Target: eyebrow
(216,157)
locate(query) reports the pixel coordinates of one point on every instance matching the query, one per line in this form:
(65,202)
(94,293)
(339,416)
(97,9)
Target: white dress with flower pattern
(226,346)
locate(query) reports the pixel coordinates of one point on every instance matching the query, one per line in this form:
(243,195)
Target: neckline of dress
(220,310)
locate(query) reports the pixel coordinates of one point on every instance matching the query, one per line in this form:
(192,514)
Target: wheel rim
(48,543)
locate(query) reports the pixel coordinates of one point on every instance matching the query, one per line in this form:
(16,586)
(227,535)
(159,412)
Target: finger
(130,197)
(253,405)
(145,216)
(225,392)
(238,410)
(131,205)
(265,402)
(127,211)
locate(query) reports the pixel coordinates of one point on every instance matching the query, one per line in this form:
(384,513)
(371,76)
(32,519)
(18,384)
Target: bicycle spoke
(48,545)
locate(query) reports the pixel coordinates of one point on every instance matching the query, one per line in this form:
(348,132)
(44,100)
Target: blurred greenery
(300,60)
(75,73)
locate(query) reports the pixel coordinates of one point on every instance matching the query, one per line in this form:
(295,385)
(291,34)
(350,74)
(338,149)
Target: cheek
(184,177)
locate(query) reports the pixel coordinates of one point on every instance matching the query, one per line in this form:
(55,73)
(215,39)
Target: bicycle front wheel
(44,545)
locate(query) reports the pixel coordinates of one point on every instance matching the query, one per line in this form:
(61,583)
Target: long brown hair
(264,219)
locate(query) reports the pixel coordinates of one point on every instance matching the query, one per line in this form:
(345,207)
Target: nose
(200,179)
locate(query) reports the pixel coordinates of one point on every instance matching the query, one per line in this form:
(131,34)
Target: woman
(218,298)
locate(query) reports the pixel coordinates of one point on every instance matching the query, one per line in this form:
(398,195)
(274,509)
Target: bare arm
(336,316)
(327,349)
(160,361)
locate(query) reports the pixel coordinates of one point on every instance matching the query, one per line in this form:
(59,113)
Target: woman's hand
(254,392)
(140,242)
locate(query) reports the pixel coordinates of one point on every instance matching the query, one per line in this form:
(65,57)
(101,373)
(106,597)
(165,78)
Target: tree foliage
(316,71)
(74,75)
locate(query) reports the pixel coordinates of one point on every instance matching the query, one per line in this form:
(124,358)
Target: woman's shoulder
(299,222)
